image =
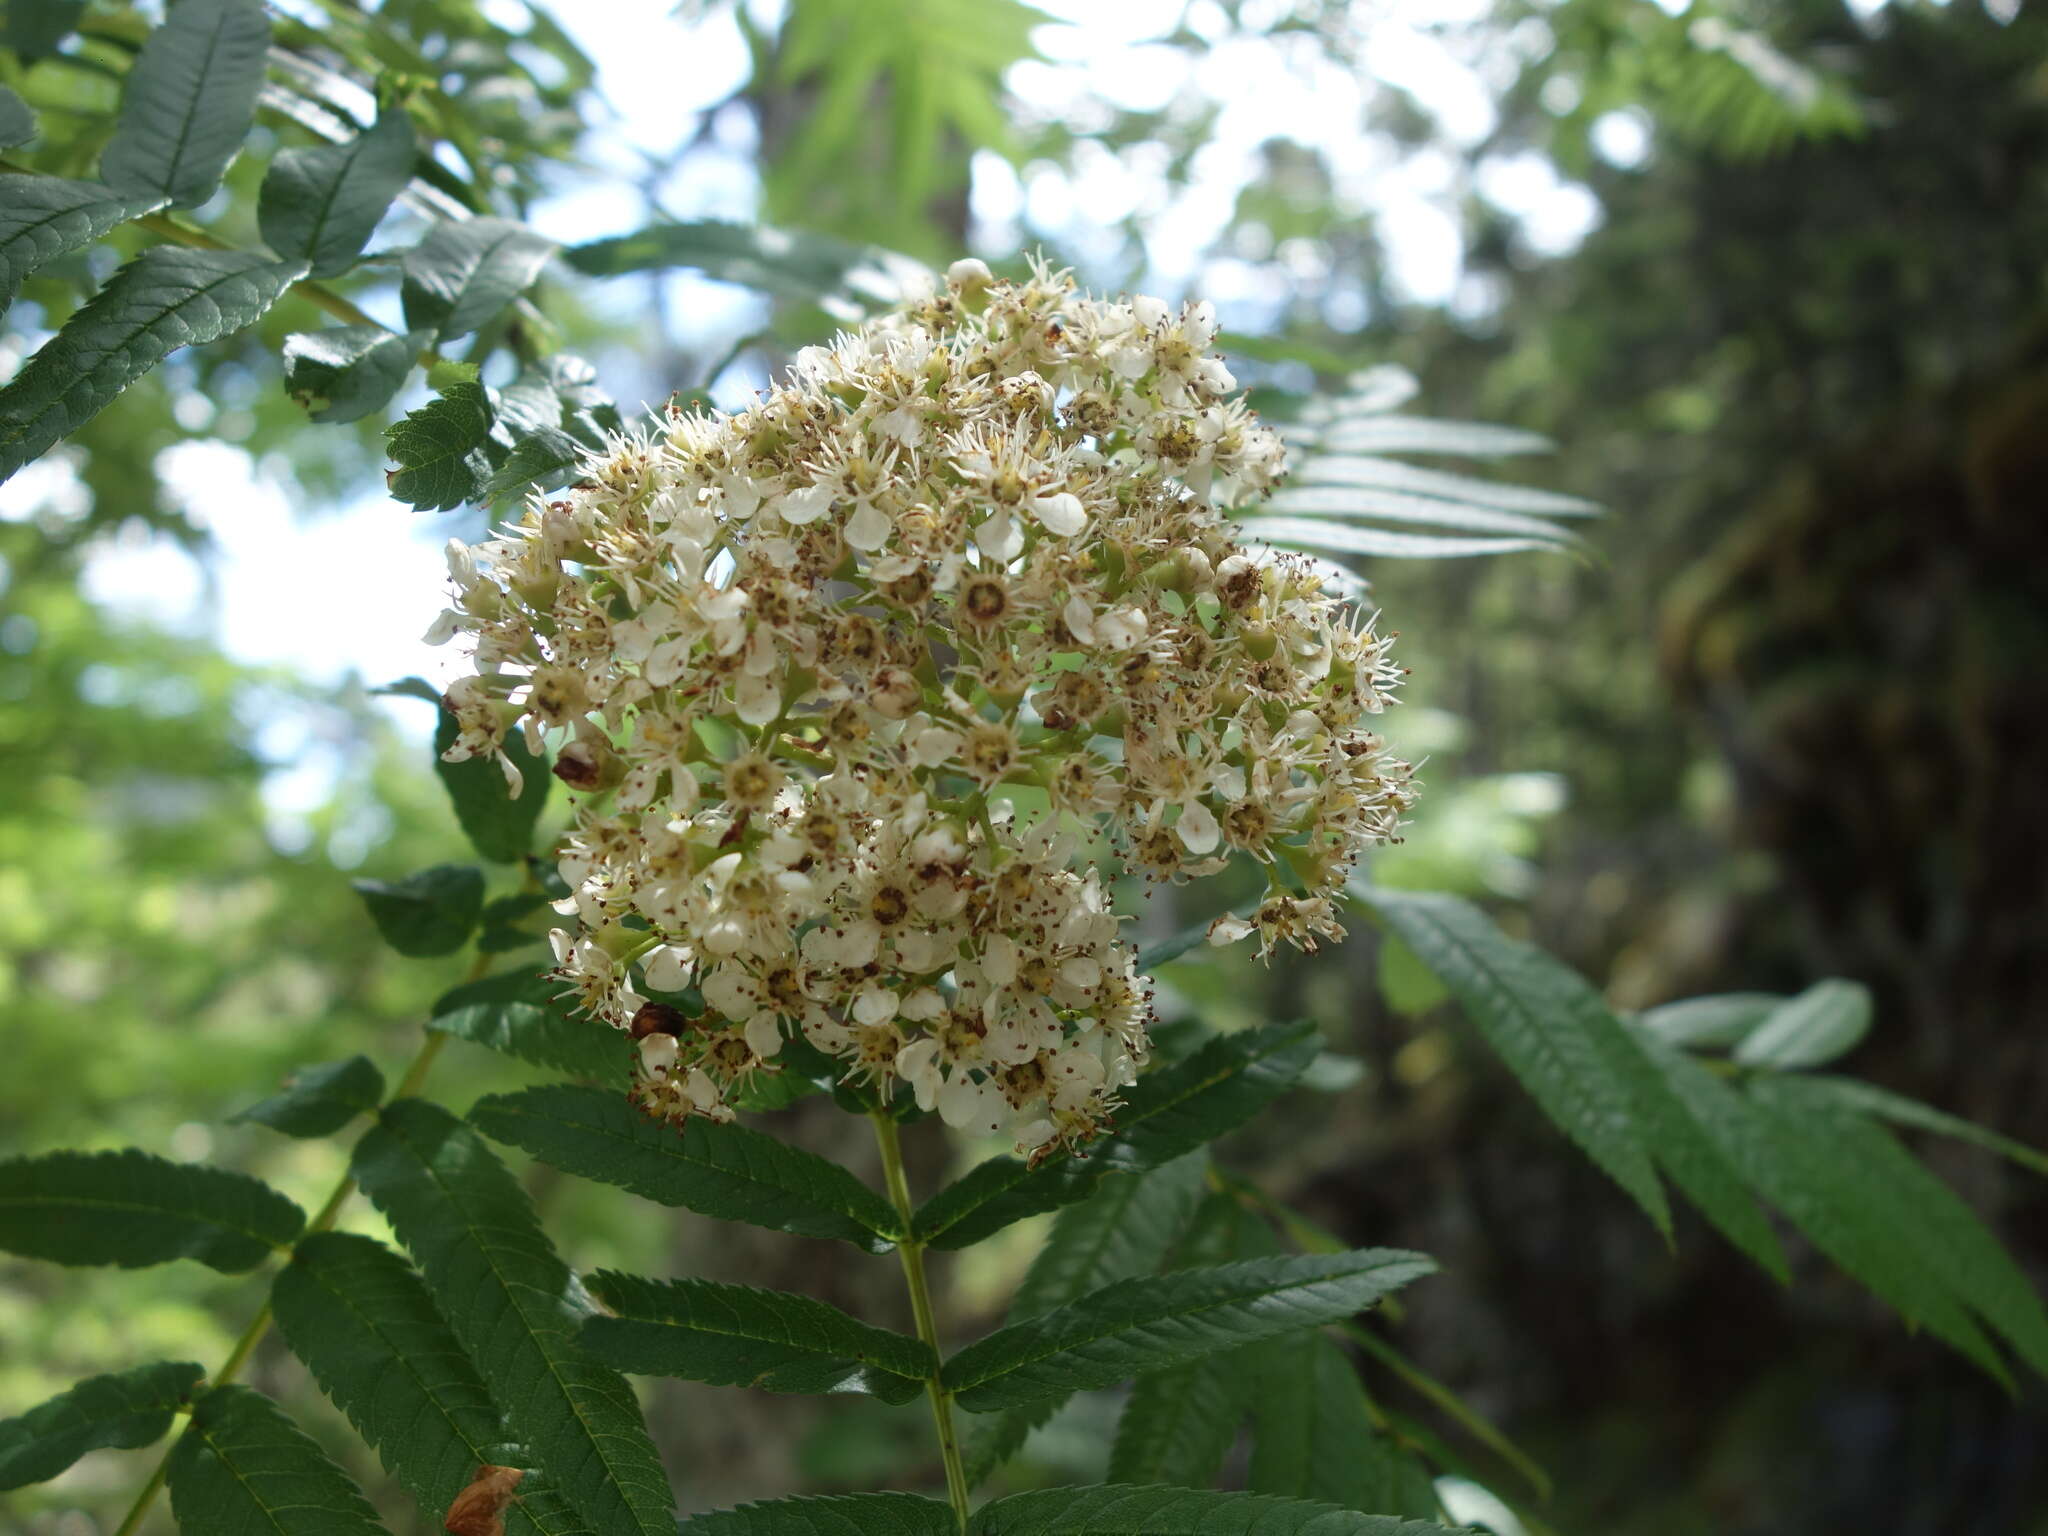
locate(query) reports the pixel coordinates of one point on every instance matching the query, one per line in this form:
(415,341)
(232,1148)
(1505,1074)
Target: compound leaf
(131,1209)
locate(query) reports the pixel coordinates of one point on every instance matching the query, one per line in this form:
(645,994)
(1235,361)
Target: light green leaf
(17,123)
(741,1336)
(1708,1023)
(439,451)
(1121,1510)
(44,217)
(512,1303)
(120,1412)
(347,371)
(1149,1323)
(189,102)
(322,205)
(727,1171)
(1380,543)
(1313,1437)
(318,1100)
(846,1514)
(243,1469)
(498,823)
(518,1014)
(1810,1030)
(463,273)
(427,913)
(1900,1110)
(131,1209)
(166,298)
(1165,1114)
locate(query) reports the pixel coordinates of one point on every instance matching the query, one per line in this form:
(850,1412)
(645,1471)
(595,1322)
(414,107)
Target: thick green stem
(912,1255)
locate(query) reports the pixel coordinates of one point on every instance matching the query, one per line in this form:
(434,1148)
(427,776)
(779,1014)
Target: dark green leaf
(43,217)
(739,1336)
(129,1208)
(518,1014)
(189,102)
(498,823)
(1900,1110)
(117,1412)
(1810,1030)
(318,1100)
(1542,1020)
(846,1514)
(1166,1114)
(1178,1425)
(464,273)
(321,205)
(780,261)
(1453,1407)
(1313,1438)
(166,298)
(545,455)
(439,451)
(1149,1323)
(514,1306)
(347,371)
(17,123)
(1115,1510)
(725,1171)
(428,913)
(243,1469)
(1708,1023)
(33,28)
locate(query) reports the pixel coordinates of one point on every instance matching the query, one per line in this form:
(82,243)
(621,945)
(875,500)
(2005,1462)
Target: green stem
(912,1255)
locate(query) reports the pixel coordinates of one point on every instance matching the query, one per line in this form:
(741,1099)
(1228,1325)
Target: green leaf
(1313,1436)
(322,205)
(119,1412)
(131,1209)
(439,451)
(1900,1110)
(318,1100)
(543,456)
(33,28)
(347,371)
(1708,1023)
(514,1306)
(726,1171)
(1453,1407)
(364,1325)
(1542,1020)
(1149,1323)
(1178,1425)
(189,102)
(427,913)
(780,261)
(517,1014)
(740,1336)
(1810,1030)
(17,123)
(166,298)
(44,217)
(1166,1114)
(464,273)
(243,1469)
(498,823)
(1114,1510)
(845,1514)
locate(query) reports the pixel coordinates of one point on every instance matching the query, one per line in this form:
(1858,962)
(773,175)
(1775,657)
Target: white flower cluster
(868,684)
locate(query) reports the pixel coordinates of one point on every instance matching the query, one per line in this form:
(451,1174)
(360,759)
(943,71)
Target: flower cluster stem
(912,1255)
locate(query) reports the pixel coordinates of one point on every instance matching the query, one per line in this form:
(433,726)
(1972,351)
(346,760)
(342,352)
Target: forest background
(1770,275)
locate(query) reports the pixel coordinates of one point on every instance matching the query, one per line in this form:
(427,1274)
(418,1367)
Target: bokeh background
(1770,274)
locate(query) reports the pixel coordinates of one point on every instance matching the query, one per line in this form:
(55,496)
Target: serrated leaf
(44,217)
(365,1326)
(1810,1030)
(1165,1114)
(243,1469)
(347,371)
(1870,1099)
(166,298)
(1313,1437)
(1382,543)
(430,912)
(17,123)
(1114,1510)
(1542,1020)
(1178,1425)
(189,102)
(316,1101)
(322,205)
(742,1336)
(843,1514)
(131,1209)
(543,456)
(518,1014)
(726,1171)
(464,272)
(1708,1023)
(119,1412)
(439,451)
(498,823)
(1152,1322)
(511,1302)
(1127,1227)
